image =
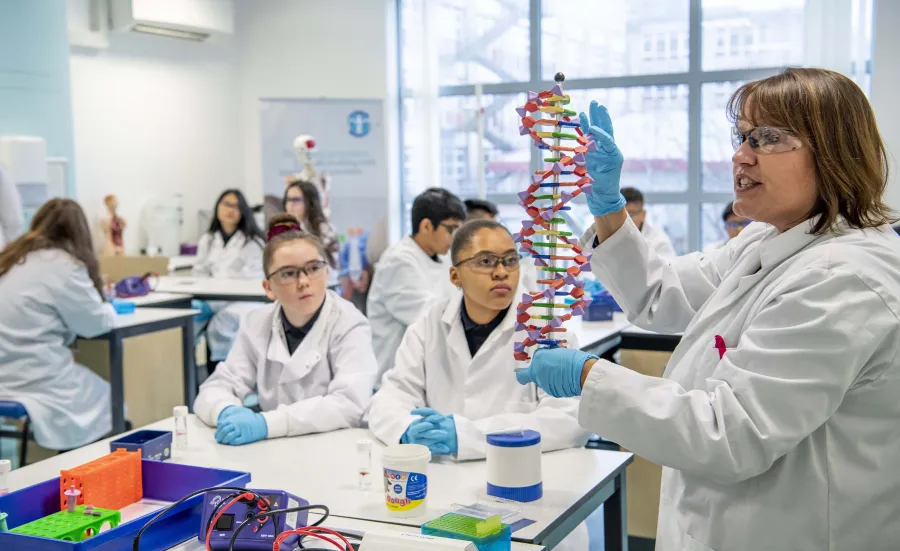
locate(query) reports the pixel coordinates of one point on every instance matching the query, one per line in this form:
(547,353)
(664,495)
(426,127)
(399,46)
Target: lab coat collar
(452,320)
(310,351)
(775,247)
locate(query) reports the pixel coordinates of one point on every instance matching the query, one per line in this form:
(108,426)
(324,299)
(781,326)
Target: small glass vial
(5,468)
(364,463)
(181,417)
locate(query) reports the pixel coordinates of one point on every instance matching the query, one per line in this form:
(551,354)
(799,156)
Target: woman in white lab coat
(308,355)
(777,420)
(231,248)
(50,290)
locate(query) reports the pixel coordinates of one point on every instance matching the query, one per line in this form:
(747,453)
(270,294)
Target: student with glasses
(734,224)
(308,354)
(412,273)
(450,383)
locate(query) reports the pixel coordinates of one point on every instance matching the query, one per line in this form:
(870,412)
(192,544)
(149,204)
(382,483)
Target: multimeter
(256,535)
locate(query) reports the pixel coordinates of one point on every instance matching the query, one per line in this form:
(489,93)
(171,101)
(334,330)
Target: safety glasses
(765,139)
(291,274)
(486,263)
(737,225)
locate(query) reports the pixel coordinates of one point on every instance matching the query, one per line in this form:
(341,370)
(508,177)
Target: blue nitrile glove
(242,427)
(434,430)
(603,164)
(556,371)
(231,411)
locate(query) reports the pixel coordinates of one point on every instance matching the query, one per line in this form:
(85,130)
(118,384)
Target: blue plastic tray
(161,481)
(153,444)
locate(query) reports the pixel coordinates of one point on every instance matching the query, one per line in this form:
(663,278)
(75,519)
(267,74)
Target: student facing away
(51,292)
(411,274)
(308,354)
(231,248)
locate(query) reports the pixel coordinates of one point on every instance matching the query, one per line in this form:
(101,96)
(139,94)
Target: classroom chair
(16,411)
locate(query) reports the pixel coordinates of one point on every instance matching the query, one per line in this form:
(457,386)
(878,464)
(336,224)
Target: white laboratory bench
(213,288)
(322,468)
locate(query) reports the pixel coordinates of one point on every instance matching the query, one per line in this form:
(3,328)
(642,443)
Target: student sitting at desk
(232,248)
(412,273)
(301,199)
(51,291)
(308,355)
(458,358)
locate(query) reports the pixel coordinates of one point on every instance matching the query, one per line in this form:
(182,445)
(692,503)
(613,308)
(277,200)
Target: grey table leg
(117,383)
(615,520)
(187,362)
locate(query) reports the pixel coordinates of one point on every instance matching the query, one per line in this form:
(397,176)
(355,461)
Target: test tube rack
(112,481)
(557,257)
(71,526)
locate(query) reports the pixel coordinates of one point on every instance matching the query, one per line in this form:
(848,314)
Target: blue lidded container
(514,466)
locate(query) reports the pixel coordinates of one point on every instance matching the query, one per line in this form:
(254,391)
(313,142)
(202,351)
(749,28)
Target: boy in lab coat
(450,383)
(308,354)
(412,273)
(659,241)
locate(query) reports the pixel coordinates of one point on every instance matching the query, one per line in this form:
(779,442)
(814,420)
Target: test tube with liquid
(364,463)
(181,416)
(5,468)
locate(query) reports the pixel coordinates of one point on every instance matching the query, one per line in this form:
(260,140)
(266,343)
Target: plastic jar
(406,479)
(514,466)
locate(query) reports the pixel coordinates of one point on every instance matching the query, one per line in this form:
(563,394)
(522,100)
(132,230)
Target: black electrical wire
(258,516)
(136,545)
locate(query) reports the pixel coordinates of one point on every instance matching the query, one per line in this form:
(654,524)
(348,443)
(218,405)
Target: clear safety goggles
(765,139)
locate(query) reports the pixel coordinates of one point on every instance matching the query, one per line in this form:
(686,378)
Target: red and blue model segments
(557,256)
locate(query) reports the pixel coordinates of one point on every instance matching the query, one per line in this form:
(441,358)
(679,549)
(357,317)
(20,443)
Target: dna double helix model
(557,257)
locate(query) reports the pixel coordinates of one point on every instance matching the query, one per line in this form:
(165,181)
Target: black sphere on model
(559,77)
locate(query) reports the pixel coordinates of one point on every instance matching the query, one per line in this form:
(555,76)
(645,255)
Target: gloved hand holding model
(604,164)
(433,430)
(556,371)
(239,426)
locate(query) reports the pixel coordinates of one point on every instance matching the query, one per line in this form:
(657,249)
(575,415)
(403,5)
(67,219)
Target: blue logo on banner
(359,124)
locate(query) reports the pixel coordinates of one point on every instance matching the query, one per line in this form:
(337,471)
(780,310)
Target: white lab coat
(789,441)
(659,241)
(435,369)
(11,215)
(47,301)
(325,385)
(240,258)
(406,281)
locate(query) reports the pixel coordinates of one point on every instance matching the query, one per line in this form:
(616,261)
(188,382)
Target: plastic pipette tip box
(487,534)
(67,526)
(153,444)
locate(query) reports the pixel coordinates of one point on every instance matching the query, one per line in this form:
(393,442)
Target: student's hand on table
(231,411)
(604,164)
(435,431)
(241,427)
(557,371)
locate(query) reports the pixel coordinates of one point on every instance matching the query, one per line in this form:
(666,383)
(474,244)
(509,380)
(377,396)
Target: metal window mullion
(695,84)
(534,64)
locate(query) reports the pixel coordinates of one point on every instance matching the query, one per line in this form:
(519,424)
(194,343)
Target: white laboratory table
(350,525)
(213,288)
(162,300)
(599,337)
(322,468)
(143,321)
(181,262)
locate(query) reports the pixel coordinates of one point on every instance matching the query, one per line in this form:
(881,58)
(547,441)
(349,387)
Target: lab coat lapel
(312,349)
(457,347)
(502,334)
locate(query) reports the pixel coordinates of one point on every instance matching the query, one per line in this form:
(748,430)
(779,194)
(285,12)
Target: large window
(664,68)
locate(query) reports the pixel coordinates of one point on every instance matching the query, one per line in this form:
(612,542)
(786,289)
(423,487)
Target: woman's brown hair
(314,214)
(58,224)
(284,228)
(832,116)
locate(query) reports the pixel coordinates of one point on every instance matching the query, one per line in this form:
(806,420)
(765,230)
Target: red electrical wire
(312,531)
(212,525)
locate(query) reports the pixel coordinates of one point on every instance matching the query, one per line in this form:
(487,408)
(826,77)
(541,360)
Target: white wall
(153,116)
(885,81)
(311,49)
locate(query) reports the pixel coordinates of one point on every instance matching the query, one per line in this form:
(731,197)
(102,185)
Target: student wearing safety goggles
(734,224)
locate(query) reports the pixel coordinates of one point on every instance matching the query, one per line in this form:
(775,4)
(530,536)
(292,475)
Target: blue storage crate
(162,481)
(153,444)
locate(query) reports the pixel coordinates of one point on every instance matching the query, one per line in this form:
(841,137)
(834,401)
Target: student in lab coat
(734,225)
(411,274)
(308,354)
(51,292)
(301,199)
(11,215)
(658,240)
(231,248)
(450,382)
(778,417)
(479,209)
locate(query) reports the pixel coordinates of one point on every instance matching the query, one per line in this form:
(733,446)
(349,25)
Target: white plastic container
(181,416)
(514,466)
(406,479)
(5,468)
